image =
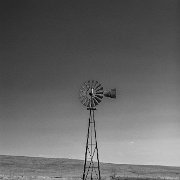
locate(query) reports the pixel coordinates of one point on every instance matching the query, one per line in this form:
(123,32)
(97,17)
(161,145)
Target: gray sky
(48,48)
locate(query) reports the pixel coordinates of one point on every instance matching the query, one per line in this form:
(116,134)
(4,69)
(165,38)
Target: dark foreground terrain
(29,168)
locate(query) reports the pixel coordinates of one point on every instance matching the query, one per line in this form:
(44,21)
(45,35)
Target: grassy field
(30,168)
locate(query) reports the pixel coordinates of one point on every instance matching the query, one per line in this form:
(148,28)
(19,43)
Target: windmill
(91,94)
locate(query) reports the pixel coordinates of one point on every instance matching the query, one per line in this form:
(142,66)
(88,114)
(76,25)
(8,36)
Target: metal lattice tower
(91,164)
(91,94)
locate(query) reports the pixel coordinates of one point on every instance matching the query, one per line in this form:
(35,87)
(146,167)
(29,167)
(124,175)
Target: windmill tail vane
(111,93)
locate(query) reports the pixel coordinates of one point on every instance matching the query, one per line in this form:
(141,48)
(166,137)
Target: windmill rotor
(91,93)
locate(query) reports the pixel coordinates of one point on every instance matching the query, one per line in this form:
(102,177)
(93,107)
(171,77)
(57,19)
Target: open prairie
(25,168)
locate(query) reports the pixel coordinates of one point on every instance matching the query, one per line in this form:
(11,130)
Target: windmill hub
(91,94)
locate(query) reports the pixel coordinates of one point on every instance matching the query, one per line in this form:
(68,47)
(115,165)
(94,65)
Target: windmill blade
(82,93)
(101,92)
(99,89)
(89,84)
(83,100)
(92,84)
(99,96)
(86,102)
(86,85)
(95,84)
(95,101)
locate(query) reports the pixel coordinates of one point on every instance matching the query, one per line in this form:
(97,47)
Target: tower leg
(91,163)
